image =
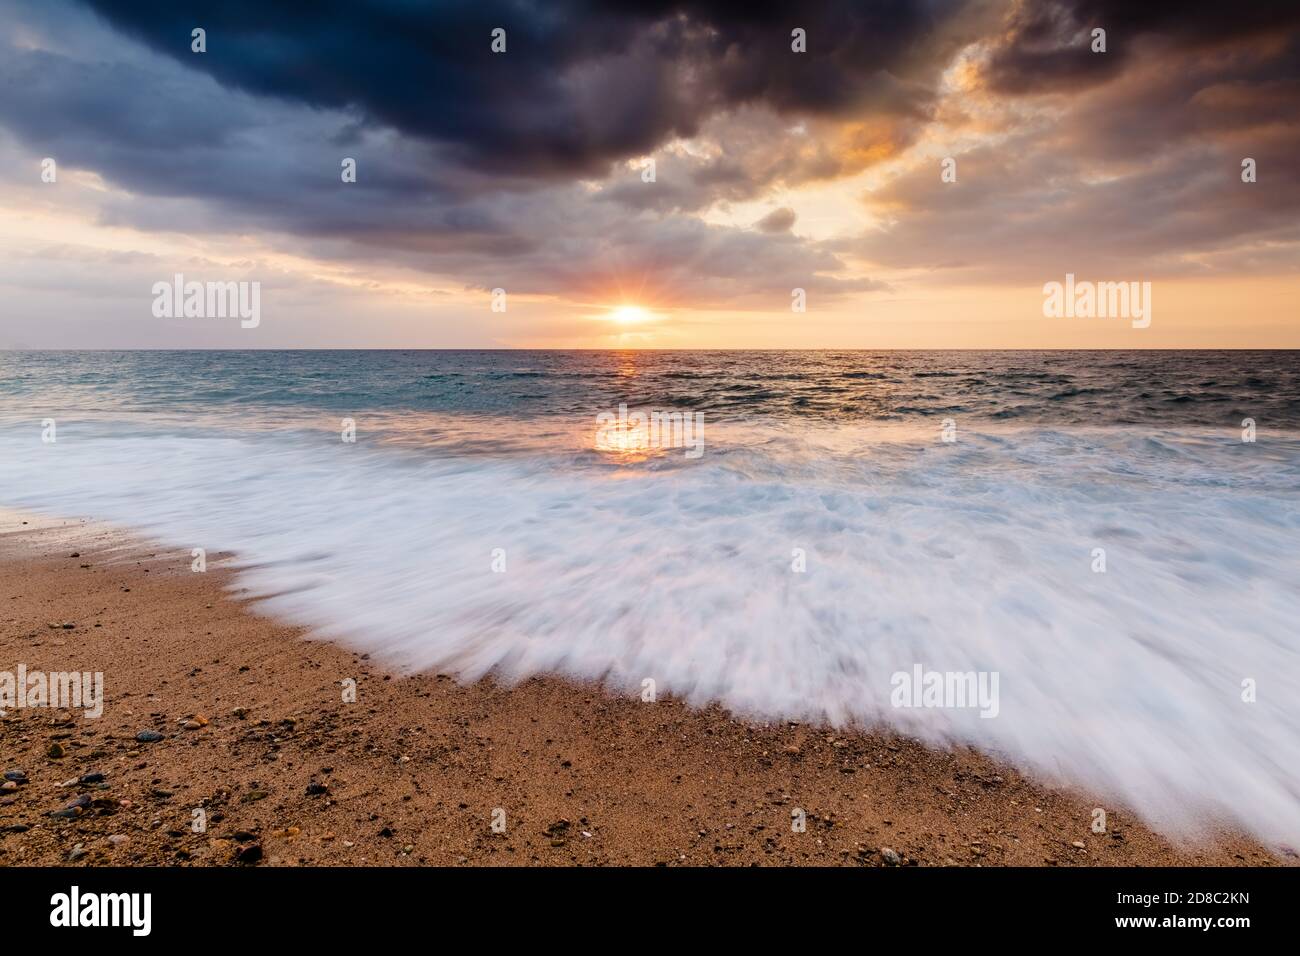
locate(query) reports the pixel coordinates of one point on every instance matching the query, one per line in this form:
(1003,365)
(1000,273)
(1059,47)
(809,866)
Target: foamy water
(971,556)
(975,556)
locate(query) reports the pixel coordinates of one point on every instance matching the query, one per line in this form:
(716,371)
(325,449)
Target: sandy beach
(255,734)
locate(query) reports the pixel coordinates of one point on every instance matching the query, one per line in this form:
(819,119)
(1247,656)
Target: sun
(629,315)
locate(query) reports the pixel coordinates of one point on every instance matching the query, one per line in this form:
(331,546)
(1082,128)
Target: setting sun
(629,315)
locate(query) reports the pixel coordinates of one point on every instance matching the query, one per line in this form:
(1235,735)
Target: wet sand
(415,771)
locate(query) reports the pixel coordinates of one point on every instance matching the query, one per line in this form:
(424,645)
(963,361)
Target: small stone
(91,778)
(317,789)
(8,785)
(117,839)
(148,736)
(191,725)
(16,776)
(77,852)
(1079,845)
(890,856)
(54,751)
(249,854)
(240,712)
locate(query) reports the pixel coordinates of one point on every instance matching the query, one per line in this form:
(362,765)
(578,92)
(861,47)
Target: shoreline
(417,768)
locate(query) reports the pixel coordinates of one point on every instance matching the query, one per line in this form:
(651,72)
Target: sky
(921,170)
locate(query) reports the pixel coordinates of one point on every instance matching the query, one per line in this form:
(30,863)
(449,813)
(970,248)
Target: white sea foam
(968,557)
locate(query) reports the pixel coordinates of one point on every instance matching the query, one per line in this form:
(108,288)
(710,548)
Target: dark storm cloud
(247,138)
(582,83)
(507,169)
(1046,44)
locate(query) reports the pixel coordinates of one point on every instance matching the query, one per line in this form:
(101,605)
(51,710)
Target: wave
(973,556)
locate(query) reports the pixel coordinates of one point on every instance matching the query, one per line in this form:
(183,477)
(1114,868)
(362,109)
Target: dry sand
(287,773)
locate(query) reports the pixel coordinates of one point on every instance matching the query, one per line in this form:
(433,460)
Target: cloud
(581,84)
(234,141)
(520,169)
(1046,44)
(778,220)
(1131,169)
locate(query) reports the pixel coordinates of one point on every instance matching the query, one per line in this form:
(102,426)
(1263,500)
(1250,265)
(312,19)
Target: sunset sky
(774,170)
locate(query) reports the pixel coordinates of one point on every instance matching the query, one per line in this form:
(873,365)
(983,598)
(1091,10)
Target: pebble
(16,776)
(9,785)
(77,852)
(890,856)
(90,778)
(117,839)
(55,751)
(317,789)
(1079,845)
(249,854)
(148,736)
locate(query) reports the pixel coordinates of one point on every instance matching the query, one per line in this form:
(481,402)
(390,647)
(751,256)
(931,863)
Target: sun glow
(629,315)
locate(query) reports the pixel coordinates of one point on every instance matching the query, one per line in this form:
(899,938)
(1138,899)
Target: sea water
(1116,535)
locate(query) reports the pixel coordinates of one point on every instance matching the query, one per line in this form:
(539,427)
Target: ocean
(1114,535)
